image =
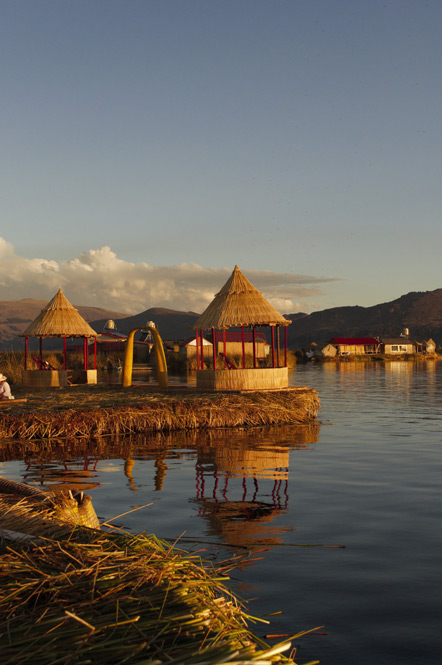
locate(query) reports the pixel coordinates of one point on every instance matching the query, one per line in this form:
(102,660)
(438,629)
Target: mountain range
(420,312)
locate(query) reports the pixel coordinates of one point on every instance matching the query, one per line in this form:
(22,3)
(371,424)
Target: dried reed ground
(72,595)
(85,411)
(84,596)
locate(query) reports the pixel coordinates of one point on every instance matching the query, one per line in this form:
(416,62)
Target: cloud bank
(99,278)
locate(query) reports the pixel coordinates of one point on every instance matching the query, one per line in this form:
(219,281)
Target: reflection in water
(76,475)
(240,482)
(239,489)
(128,466)
(160,466)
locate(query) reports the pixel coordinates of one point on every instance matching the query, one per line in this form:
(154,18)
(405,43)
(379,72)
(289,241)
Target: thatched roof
(239,304)
(59,319)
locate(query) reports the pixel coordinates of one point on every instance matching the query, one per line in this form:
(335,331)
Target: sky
(149,146)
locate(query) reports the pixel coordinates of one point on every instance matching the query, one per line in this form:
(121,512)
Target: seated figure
(5,389)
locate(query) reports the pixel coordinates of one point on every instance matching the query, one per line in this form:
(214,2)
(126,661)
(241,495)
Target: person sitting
(5,389)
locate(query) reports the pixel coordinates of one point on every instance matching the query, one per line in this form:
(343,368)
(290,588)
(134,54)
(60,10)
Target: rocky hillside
(420,312)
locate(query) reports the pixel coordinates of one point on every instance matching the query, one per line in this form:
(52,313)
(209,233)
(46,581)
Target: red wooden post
(277,346)
(64,352)
(197,350)
(26,353)
(285,346)
(95,353)
(254,347)
(214,349)
(273,345)
(202,348)
(224,341)
(243,344)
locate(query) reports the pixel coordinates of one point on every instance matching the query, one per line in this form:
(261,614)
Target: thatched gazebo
(59,319)
(240,305)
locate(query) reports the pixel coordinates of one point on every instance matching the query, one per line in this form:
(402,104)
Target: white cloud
(99,278)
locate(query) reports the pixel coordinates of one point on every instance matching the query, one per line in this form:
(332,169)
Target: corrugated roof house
(346,346)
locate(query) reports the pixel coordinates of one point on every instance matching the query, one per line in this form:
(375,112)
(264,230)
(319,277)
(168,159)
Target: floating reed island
(94,411)
(71,595)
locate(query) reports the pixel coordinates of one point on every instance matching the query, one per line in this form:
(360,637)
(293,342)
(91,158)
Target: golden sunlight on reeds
(105,410)
(76,596)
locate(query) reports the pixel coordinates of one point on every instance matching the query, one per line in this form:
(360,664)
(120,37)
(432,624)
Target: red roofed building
(348,346)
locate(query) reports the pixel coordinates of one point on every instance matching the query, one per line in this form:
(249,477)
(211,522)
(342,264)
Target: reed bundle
(86,596)
(159,412)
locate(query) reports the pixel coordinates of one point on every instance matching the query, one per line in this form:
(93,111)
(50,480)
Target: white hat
(2,378)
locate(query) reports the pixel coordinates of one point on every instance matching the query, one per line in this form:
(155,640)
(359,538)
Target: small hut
(240,305)
(188,348)
(430,347)
(59,319)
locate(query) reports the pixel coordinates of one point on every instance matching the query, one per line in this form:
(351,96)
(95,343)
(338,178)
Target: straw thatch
(59,319)
(238,304)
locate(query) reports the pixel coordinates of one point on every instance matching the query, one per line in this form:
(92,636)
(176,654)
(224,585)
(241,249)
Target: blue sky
(149,146)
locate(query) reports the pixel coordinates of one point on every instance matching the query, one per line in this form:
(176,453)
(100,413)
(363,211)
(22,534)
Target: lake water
(367,477)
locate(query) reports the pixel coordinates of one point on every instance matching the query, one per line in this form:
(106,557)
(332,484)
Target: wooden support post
(95,353)
(64,352)
(254,347)
(197,349)
(277,346)
(202,348)
(243,348)
(214,349)
(273,345)
(285,346)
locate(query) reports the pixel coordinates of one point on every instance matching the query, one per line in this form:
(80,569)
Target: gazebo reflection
(240,490)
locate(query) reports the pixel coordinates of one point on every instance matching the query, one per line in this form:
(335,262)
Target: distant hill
(420,312)
(171,324)
(16,315)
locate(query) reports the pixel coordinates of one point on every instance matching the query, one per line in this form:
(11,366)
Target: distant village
(371,346)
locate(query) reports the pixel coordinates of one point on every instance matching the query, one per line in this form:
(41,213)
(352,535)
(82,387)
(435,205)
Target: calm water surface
(367,477)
